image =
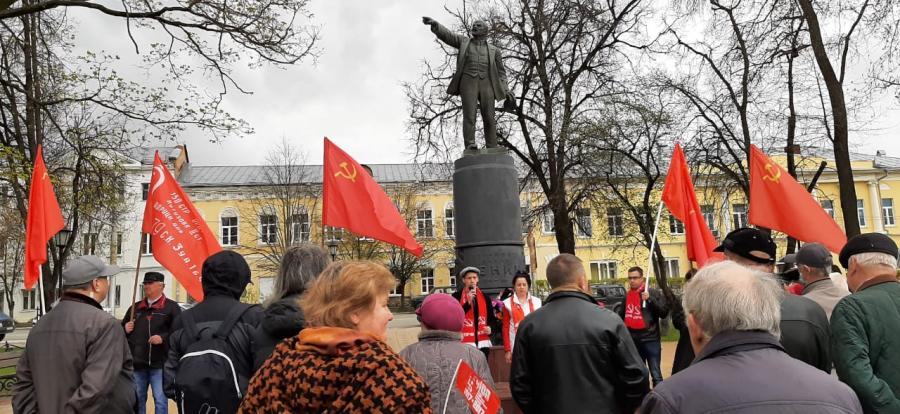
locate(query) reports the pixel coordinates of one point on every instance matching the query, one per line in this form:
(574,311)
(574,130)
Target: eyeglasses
(635,277)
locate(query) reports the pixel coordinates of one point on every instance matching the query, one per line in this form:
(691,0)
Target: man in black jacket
(480,315)
(733,322)
(148,337)
(805,332)
(225,276)
(642,311)
(571,356)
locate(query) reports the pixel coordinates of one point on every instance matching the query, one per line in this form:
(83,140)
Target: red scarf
(518,313)
(468,332)
(634,317)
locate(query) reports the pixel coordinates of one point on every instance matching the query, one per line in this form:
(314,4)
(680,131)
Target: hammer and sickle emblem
(345,172)
(774,174)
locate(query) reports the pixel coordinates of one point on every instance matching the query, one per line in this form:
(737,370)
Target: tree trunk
(839,114)
(565,232)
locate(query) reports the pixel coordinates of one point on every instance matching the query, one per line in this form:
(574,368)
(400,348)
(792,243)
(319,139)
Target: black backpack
(206,381)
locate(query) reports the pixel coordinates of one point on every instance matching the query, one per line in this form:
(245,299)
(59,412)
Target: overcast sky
(353,92)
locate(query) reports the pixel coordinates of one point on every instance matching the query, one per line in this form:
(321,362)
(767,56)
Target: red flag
(480,397)
(679,196)
(779,202)
(44,220)
(180,238)
(354,201)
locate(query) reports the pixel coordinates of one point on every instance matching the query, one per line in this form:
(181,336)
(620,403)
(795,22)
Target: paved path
(402,331)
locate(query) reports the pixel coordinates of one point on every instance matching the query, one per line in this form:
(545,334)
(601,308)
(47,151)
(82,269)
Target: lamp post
(332,248)
(60,240)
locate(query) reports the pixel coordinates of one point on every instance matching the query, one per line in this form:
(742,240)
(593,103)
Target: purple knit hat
(442,312)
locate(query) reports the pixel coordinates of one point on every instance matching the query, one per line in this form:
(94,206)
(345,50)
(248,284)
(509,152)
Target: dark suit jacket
(461,42)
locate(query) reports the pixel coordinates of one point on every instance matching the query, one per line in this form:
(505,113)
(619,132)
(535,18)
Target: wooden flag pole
(652,250)
(137,273)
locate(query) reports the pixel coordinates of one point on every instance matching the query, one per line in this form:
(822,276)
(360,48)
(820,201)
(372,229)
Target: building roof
(144,155)
(251,175)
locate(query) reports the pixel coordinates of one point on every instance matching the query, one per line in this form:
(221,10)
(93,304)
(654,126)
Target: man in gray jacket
(814,263)
(733,316)
(76,359)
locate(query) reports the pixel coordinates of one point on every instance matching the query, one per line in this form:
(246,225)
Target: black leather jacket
(657,308)
(571,356)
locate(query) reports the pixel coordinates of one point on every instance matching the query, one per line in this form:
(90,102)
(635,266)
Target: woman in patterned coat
(340,363)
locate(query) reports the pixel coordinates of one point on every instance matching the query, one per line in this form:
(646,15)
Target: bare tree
(560,58)
(284,207)
(12,253)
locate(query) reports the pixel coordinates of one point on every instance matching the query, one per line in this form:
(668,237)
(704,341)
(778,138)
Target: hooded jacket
(225,276)
(283,319)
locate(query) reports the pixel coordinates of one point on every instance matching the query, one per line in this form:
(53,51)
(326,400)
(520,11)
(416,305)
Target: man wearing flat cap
(76,359)
(479,312)
(814,264)
(148,336)
(865,325)
(804,325)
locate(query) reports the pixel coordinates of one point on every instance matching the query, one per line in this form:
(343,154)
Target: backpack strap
(234,315)
(190,326)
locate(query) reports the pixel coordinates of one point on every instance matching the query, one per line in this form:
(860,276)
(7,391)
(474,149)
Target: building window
(861,213)
(145,191)
(739,215)
(583,222)
(229,227)
(89,243)
(828,206)
(299,228)
(334,233)
(603,270)
(118,244)
(887,210)
(675,225)
(548,225)
(146,245)
(449,222)
(268,229)
(427,280)
(614,221)
(424,223)
(452,278)
(29,299)
(709,216)
(396,290)
(118,296)
(672,268)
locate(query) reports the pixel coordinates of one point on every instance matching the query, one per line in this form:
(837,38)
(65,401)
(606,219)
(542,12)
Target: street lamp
(61,239)
(332,248)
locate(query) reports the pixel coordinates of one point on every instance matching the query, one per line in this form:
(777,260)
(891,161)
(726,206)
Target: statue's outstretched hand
(427,20)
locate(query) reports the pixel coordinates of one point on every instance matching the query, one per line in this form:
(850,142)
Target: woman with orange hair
(340,362)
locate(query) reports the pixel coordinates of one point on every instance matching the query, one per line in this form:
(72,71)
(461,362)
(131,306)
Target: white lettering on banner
(633,311)
(160,231)
(478,396)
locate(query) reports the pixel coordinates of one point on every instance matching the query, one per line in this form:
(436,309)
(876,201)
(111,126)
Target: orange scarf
(518,313)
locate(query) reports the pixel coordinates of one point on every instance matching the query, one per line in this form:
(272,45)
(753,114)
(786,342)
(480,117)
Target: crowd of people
(319,343)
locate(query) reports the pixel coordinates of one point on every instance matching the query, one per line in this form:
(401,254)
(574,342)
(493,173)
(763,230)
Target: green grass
(672,335)
(8,371)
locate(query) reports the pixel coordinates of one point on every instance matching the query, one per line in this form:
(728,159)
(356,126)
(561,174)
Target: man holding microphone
(479,313)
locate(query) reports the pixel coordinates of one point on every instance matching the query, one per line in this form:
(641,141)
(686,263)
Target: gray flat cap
(84,269)
(463,272)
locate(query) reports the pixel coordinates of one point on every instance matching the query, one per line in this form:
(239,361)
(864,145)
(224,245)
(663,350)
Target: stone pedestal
(488,219)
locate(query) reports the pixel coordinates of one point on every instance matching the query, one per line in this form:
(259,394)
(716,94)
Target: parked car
(416,301)
(7,325)
(611,296)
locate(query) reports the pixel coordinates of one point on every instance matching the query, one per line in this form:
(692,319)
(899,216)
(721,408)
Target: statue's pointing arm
(443,33)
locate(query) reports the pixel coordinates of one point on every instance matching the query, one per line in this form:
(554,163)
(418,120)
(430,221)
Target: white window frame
(583,226)
(887,211)
(117,296)
(234,230)
(548,222)
(300,224)
(89,243)
(861,212)
(29,299)
(118,248)
(675,225)
(739,218)
(268,231)
(669,267)
(425,222)
(615,222)
(147,245)
(449,221)
(334,233)
(709,215)
(829,208)
(426,280)
(395,292)
(608,267)
(452,280)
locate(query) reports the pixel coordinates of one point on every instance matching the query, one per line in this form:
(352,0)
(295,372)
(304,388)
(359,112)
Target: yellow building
(255,215)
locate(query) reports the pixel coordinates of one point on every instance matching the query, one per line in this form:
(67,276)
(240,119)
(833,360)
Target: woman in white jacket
(516,308)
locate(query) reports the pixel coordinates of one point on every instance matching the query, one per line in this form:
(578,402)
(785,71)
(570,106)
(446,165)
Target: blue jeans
(153,378)
(651,354)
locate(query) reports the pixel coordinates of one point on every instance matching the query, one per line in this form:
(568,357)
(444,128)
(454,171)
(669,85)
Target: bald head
(565,270)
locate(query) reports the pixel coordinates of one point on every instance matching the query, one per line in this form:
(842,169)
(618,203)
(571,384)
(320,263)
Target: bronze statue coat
(495,61)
